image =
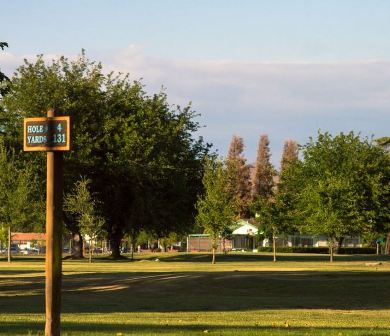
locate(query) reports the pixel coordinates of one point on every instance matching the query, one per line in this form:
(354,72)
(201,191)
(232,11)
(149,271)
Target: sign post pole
(54,189)
(52,135)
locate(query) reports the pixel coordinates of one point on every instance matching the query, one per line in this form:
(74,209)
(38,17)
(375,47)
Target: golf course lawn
(183,294)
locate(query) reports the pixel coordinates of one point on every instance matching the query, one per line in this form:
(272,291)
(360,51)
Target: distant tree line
(338,186)
(136,169)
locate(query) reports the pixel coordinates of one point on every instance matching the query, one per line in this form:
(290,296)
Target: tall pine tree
(238,177)
(263,175)
(290,154)
(264,203)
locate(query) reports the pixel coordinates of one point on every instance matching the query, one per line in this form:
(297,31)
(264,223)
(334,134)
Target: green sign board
(47,134)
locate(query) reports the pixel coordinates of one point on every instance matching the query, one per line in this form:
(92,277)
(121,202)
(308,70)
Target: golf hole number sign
(53,136)
(47,134)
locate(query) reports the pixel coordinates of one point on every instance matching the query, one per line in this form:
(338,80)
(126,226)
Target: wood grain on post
(54,189)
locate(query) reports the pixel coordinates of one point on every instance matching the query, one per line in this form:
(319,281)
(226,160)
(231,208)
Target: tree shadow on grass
(31,328)
(24,258)
(226,258)
(201,291)
(261,257)
(17,272)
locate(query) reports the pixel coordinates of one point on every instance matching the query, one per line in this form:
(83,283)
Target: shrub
(319,250)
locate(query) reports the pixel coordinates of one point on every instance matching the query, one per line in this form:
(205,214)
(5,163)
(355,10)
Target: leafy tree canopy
(215,208)
(139,152)
(342,186)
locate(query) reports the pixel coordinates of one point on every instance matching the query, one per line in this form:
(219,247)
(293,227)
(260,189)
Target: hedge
(320,250)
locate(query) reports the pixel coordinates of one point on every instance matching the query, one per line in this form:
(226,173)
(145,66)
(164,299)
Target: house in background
(245,236)
(28,241)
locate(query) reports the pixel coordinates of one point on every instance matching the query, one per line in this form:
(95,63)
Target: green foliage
(171,239)
(272,202)
(80,203)
(3,235)
(268,215)
(215,209)
(138,150)
(20,207)
(342,186)
(143,237)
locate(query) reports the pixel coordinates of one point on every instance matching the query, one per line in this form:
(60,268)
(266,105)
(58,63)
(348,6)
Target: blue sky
(283,67)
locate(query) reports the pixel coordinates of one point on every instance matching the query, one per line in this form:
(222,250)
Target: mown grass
(183,294)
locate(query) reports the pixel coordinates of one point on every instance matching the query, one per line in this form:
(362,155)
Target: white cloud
(283,99)
(304,88)
(9,62)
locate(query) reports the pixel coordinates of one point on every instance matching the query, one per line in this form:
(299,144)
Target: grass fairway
(183,294)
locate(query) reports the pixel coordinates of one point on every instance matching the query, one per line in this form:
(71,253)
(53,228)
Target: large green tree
(215,209)
(19,209)
(273,205)
(264,203)
(286,188)
(344,187)
(75,88)
(138,150)
(384,142)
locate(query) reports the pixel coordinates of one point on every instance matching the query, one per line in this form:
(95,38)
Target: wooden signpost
(47,134)
(53,135)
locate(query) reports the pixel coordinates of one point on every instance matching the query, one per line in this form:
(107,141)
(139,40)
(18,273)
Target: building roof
(28,236)
(246,229)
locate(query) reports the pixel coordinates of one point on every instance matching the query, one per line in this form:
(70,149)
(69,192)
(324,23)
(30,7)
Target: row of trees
(134,154)
(136,167)
(339,187)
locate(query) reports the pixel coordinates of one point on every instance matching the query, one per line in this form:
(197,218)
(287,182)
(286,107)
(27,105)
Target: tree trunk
(387,247)
(115,242)
(9,245)
(339,243)
(331,249)
(213,251)
(90,250)
(274,246)
(77,246)
(133,242)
